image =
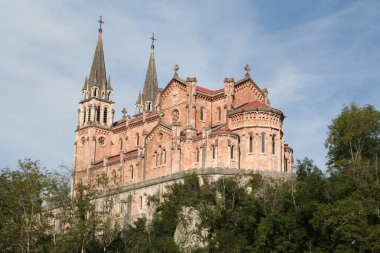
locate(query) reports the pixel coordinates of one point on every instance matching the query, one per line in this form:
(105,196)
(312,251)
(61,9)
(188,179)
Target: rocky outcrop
(189,235)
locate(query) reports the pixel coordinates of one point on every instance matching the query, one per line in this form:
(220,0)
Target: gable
(247,91)
(161,128)
(173,94)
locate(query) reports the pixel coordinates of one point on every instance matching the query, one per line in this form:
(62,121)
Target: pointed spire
(151,84)
(85,84)
(138,100)
(109,87)
(98,69)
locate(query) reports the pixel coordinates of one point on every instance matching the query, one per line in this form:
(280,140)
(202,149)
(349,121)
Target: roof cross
(100,21)
(247,68)
(153,39)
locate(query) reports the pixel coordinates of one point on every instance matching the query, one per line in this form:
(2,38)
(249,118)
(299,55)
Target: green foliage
(23,195)
(354,136)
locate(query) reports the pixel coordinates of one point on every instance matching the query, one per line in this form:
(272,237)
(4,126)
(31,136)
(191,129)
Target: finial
(124,112)
(247,69)
(100,21)
(176,68)
(153,39)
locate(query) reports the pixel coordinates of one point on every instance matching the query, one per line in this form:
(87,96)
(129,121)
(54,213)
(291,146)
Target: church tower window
(213,151)
(84,115)
(132,172)
(89,114)
(232,152)
(273,144)
(105,115)
(137,139)
(98,114)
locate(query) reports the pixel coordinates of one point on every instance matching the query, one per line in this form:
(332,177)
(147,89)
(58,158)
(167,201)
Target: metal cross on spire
(153,39)
(100,21)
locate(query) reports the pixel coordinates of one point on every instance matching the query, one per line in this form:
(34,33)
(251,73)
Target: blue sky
(313,56)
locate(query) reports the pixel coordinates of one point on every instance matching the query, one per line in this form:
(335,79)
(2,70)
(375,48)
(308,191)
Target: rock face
(188,234)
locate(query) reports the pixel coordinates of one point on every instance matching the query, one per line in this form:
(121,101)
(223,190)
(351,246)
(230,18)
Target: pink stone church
(178,129)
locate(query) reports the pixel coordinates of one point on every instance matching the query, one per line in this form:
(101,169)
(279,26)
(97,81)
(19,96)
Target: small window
(121,144)
(197,154)
(274,144)
(250,143)
(164,156)
(148,105)
(202,113)
(155,159)
(175,116)
(219,114)
(132,172)
(263,143)
(137,139)
(232,152)
(213,152)
(141,202)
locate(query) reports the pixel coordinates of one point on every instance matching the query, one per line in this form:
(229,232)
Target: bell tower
(96,107)
(95,117)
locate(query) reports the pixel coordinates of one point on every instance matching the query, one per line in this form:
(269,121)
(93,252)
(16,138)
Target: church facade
(177,129)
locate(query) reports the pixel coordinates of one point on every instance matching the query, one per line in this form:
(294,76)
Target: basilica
(178,128)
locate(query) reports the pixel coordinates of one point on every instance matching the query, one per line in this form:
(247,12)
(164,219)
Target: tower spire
(97,75)
(148,97)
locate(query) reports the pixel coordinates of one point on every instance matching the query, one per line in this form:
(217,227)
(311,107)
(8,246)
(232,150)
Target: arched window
(148,105)
(213,151)
(89,114)
(175,116)
(84,115)
(274,144)
(94,92)
(121,144)
(98,114)
(250,143)
(262,142)
(132,172)
(164,156)
(155,159)
(219,114)
(137,139)
(232,152)
(105,115)
(197,154)
(202,113)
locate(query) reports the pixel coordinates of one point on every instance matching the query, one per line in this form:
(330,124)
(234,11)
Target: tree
(24,221)
(354,135)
